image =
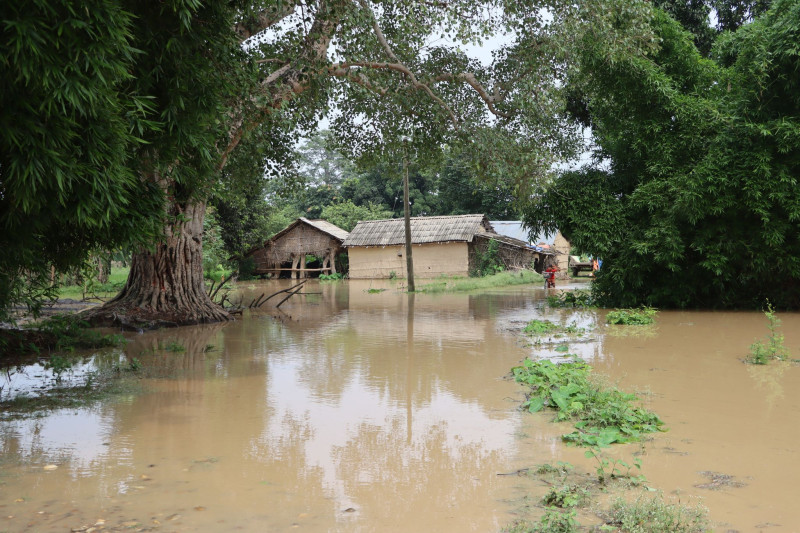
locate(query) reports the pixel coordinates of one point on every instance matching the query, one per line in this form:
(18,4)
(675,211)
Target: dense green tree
(731,14)
(693,15)
(69,123)
(460,191)
(697,202)
(346,214)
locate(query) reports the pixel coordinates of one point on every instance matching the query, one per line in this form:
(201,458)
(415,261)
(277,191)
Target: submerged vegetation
(59,333)
(654,515)
(538,327)
(571,299)
(632,317)
(602,415)
(641,512)
(762,352)
(501,279)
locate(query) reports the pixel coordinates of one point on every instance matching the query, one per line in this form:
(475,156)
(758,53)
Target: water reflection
(353,410)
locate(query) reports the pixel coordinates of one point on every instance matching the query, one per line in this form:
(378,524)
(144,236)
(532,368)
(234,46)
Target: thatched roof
(323,225)
(391,232)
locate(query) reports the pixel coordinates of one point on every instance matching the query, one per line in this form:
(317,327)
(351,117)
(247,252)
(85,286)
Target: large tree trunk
(165,285)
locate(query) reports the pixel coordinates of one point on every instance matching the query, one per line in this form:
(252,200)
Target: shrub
(654,515)
(632,317)
(762,352)
(539,327)
(602,415)
(579,298)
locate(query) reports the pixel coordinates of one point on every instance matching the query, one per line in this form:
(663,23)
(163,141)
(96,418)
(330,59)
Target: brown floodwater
(356,411)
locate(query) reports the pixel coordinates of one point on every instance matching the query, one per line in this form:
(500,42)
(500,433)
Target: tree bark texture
(165,285)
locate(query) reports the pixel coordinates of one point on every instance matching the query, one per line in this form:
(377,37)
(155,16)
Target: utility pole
(407,211)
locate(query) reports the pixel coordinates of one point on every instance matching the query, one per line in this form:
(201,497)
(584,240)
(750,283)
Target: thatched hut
(286,251)
(444,245)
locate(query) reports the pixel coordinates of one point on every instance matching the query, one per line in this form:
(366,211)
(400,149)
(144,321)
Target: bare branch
(358,78)
(289,80)
(469,78)
(266,18)
(407,71)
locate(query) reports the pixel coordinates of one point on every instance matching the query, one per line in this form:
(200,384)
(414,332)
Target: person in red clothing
(550,275)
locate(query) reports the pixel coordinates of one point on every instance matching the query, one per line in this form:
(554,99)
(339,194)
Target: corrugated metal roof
(516,229)
(391,232)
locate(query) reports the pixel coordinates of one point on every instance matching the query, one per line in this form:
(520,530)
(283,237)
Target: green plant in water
(602,415)
(556,521)
(59,364)
(567,496)
(573,299)
(539,327)
(762,352)
(392,275)
(654,515)
(561,468)
(331,277)
(375,291)
(632,317)
(174,346)
(66,333)
(612,468)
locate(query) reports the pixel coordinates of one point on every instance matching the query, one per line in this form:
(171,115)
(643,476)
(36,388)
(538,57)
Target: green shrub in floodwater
(763,352)
(67,333)
(632,317)
(173,346)
(602,415)
(59,365)
(654,515)
(539,327)
(567,496)
(574,299)
(336,276)
(561,468)
(612,468)
(554,520)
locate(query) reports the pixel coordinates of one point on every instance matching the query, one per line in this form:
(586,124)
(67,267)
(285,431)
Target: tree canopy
(694,199)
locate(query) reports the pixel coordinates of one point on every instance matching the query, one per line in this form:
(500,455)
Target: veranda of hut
(284,255)
(513,254)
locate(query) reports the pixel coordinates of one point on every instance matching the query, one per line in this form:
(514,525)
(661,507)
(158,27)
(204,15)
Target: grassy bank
(501,279)
(116,281)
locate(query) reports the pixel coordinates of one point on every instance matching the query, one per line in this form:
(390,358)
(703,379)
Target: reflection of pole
(410,368)
(407,213)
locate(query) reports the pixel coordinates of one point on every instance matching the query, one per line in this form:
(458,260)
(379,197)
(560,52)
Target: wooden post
(296,268)
(333,261)
(407,213)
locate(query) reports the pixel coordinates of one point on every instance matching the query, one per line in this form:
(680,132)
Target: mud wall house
(543,244)
(562,247)
(558,247)
(441,246)
(284,255)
